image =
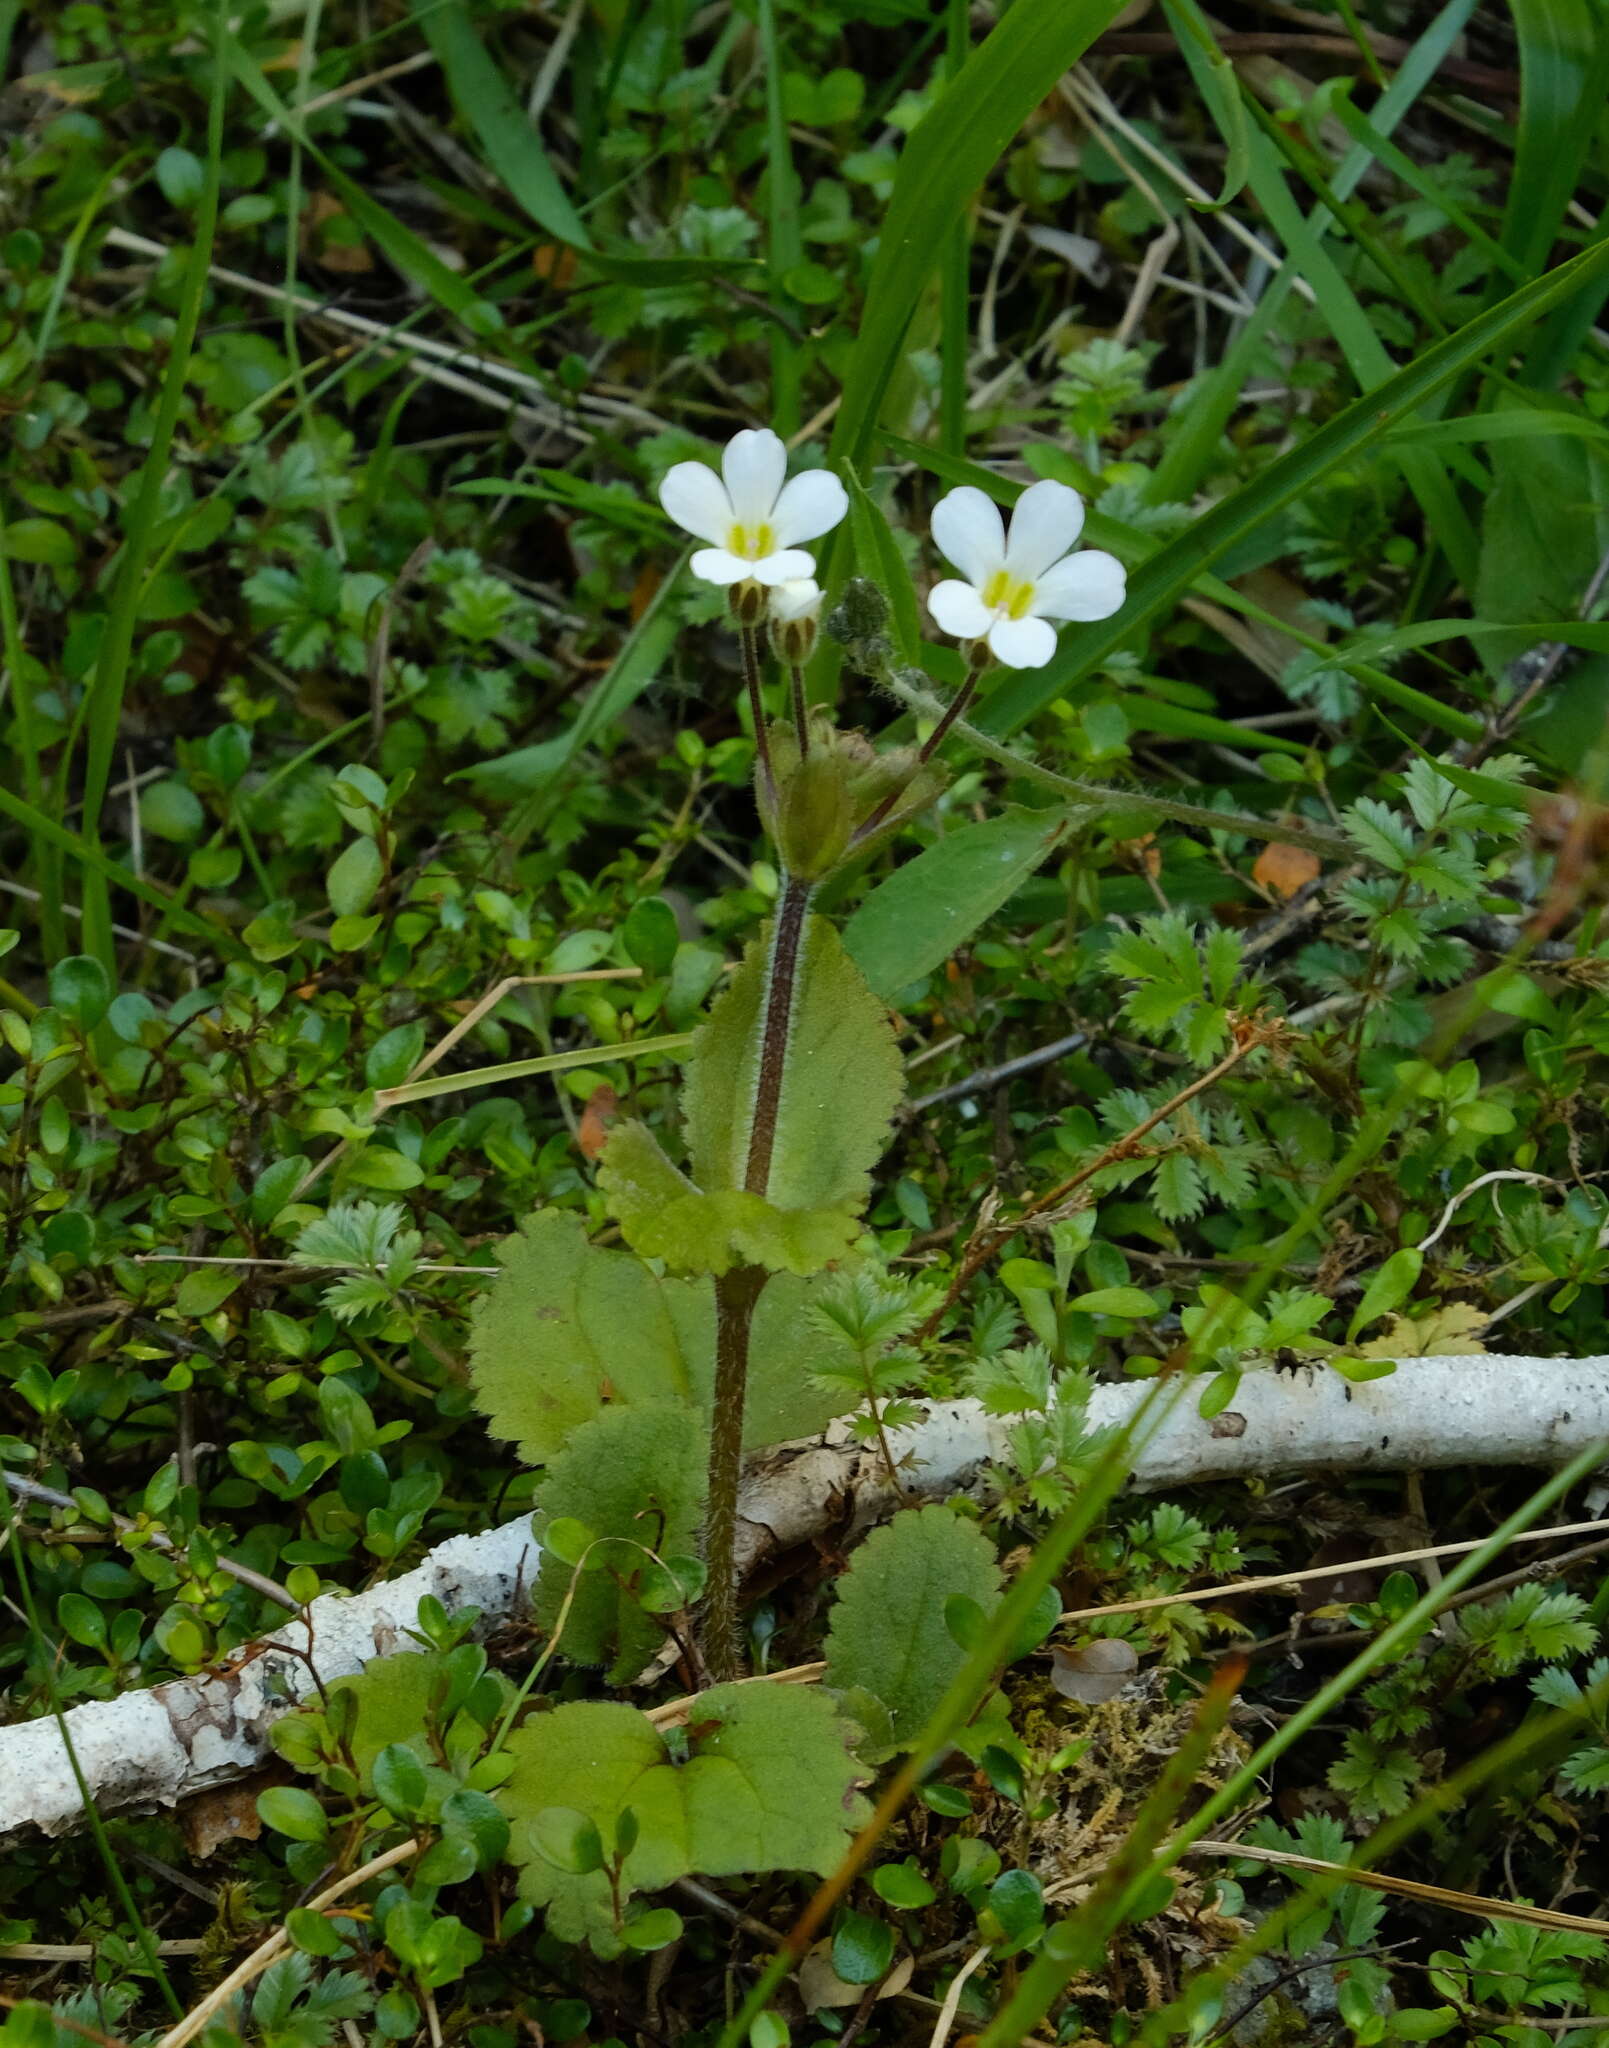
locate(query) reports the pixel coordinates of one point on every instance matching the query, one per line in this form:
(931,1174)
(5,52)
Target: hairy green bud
(826,795)
(747,601)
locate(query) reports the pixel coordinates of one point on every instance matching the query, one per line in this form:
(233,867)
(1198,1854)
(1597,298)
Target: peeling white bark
(153,1748)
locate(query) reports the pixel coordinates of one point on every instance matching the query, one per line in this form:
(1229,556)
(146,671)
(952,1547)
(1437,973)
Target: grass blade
(1162,580)
(517,1070)
(107,871)
(104,705)
(513,148)
(1187,458)
(785,246)
(944,163)
(877,556)
(1446,521)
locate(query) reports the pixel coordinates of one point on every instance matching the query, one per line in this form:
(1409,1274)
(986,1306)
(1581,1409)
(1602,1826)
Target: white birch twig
(153,1748)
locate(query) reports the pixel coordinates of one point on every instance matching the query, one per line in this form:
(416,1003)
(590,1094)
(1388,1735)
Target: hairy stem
(782,973)
(801,716)
(735,1296)
(749,638)
(1107,796)
(737,1292)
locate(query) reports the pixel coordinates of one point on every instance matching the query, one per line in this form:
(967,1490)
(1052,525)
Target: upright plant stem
(750,640)
(735,1296)
(737,1292)
(801,714)
(782,973)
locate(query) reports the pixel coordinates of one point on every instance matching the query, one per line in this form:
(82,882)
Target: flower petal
(1045,522)
(968,530)
(754,465)
(787,565)
(798,598)
(1022,643)
(715,565)
(811,504)
(1088,585)
(958,609)
(696,499)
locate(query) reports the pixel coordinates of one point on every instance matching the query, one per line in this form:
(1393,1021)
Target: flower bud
(811,819)
(860,615)
(747,601)
(825,797)
(795,608)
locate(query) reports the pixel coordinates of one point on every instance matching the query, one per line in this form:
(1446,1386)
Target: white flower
(753,519)
(1014,586)
(799,598)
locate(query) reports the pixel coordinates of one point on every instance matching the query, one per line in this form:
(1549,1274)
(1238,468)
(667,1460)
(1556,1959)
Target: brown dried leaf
(603,1106)
(212,1820)
(821,1987)
(1098,1670)
(1285,869)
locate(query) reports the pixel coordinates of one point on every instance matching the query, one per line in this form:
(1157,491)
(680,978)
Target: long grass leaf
(518,1070)
(1190,453)
(785,239)
(1161,581)
(944,163)
(878,557)
(1446,521)
(483,96)
(104,703)
(107,871)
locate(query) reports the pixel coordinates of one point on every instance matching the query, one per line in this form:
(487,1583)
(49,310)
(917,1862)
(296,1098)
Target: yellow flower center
(1009,594)
(751,543)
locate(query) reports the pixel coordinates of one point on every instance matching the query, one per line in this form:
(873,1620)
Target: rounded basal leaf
(889,1633)
(767,1784)
(841,1082)
(638,1476)
(568,1327)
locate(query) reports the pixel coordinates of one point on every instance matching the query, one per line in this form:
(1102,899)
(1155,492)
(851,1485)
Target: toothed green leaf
(768,1784)
(841,1088)
(889,1636)
(632,1474)
(568,1328)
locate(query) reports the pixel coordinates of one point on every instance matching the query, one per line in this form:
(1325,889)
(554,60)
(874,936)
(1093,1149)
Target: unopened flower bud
(747,601)
(811,817)
(860,614)
(795,608)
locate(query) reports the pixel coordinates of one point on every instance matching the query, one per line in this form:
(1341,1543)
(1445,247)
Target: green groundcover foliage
(778,781)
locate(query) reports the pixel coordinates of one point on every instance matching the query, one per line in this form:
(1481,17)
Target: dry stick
(268,1951)
(952,1997)
(1409,1888)
(47,1496)
(1275,1581)
(988,1241)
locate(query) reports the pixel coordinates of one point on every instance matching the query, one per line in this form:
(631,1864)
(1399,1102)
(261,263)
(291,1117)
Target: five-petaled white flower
(1015,585)
(754,518)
